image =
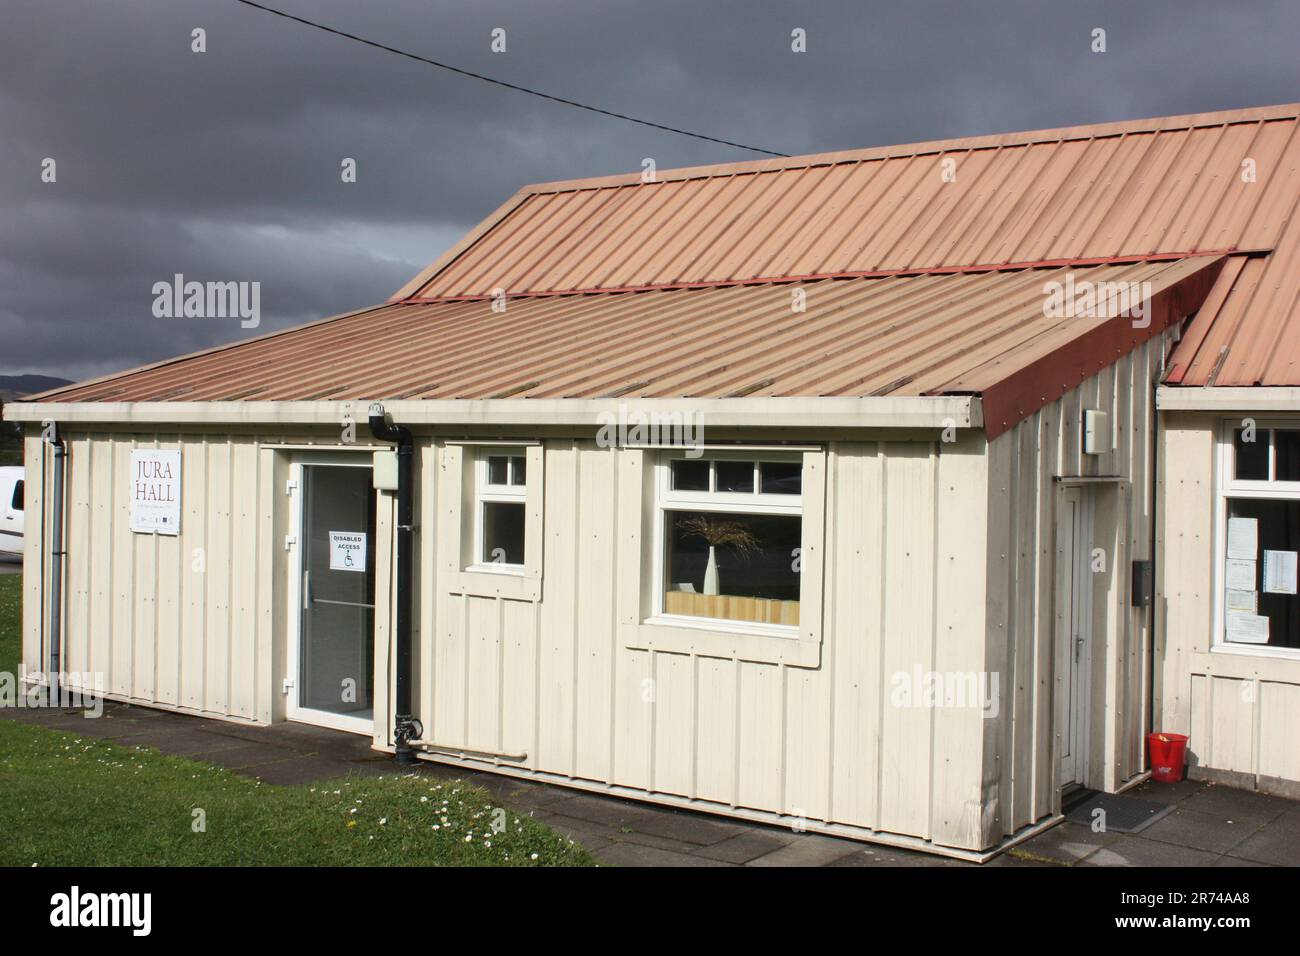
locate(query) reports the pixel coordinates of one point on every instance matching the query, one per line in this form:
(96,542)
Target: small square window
(690,475)
(1251,457)
(17,503)
(1286,455)
(781,478)
(736,477)
(501,494)
(498,470)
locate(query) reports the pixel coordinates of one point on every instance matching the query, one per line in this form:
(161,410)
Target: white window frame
(458,484)
(640,551)
(667,499)
(485,492)
(1228,487)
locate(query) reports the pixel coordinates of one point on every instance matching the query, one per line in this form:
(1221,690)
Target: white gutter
(885,411)
(1228,398)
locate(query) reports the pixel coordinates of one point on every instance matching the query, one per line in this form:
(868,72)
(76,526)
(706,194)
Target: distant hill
(16,386)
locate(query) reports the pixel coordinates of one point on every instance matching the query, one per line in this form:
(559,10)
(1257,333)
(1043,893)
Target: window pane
(1278,529)
(1251,456)
(751,576)
(518,471)
(781,477)
(498,470)
(690,475)
(735,476)
(17,503)
(503,532)
(1286,455)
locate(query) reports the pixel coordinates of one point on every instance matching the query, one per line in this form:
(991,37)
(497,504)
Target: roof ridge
(1153,124)
(1025,266)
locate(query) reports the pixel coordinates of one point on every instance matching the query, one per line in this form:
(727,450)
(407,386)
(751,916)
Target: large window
(1259,515)
(500,497)
(729,528)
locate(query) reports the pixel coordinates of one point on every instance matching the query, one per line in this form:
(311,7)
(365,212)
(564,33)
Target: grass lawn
(67,800)
(11,616)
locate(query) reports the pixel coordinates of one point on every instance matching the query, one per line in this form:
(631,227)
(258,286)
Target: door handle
(306,589)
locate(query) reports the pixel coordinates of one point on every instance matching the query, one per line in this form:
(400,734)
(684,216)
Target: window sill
(511,583)
(1233,662)
(737,640)
(719,624)
(516,569)
(1256,650)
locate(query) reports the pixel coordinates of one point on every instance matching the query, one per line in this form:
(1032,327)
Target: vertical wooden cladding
(1240,710)
(182,621)
(1024,600)
(553,679)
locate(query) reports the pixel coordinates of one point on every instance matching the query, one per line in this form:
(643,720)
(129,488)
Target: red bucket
(1168,753)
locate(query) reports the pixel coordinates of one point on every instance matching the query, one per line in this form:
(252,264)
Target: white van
(11,511)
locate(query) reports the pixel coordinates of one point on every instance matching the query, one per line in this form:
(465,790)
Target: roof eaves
(53,393)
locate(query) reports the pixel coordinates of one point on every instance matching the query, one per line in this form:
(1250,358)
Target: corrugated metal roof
(674,288)
(1248,331)
(1115,191)
(930,334)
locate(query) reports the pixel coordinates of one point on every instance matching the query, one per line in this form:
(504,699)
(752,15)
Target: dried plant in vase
(719,533)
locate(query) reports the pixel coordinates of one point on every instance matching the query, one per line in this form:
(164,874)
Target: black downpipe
(405,726)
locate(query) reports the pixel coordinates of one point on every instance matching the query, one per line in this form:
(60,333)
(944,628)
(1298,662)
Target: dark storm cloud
(225,165)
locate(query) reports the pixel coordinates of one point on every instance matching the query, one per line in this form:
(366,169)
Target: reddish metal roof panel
(964,332)
(1169,186)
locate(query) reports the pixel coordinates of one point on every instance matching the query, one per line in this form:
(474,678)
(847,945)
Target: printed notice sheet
(1279,572)
(1241,575)
(1243,538)
(1246,628)
(1247,601)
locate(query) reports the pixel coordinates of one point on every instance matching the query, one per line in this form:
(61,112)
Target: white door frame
(292,709)
(1075,634)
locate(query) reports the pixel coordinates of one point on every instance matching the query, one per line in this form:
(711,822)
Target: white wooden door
(1074,623)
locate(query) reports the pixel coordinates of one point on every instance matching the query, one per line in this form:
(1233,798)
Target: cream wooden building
(817,492)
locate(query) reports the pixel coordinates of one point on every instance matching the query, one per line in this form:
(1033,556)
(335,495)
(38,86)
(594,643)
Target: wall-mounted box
(1096,432)
(385,471)
(1143,583)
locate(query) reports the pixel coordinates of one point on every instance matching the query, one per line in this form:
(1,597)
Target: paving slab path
(1209,826)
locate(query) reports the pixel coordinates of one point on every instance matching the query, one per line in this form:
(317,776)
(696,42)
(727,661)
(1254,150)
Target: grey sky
(225,165)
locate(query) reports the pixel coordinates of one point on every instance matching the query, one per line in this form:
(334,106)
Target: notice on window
(1243,538)
(1247,601)
(1241,574)
(1245,628)
(1279,572)
(348,551)
(156,491)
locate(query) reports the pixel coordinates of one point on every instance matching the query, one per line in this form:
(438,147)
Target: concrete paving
(1210,825)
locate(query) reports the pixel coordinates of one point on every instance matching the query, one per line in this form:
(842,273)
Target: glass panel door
(336,635)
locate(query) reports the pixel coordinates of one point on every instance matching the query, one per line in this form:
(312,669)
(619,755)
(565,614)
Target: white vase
(711,573)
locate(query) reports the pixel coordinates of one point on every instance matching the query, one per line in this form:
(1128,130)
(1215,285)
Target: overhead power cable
(510,86)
